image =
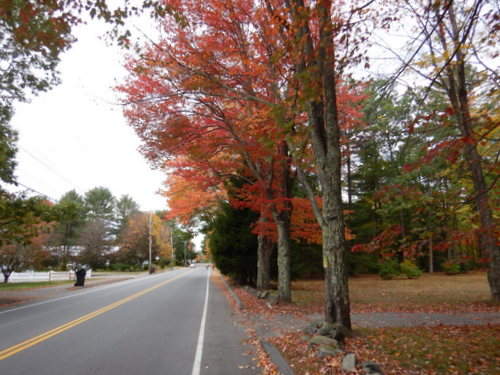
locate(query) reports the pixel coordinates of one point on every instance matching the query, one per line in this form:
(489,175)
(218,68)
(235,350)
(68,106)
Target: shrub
(164,262)
(124,267)
(389,270)
(362,263)
(452,268)
(410,270)
(118,266)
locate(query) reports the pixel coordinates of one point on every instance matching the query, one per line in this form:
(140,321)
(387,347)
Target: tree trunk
(283,224)
(488,242)
(431,256)
(337,307)
(349,176)
(315,69)
(487,238)
(6,275)
(319,62)
(330,165)
(65,255)
(456,86)
(284,256)
(264,251)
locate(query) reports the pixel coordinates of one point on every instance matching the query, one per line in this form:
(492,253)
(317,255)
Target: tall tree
(214,122)
(182,245)
(320,41)
(100,203)
(264,64)
(134,239)
(95,241)
(21,220)
(457,35)
(8,150)
(71,216)
(125,208)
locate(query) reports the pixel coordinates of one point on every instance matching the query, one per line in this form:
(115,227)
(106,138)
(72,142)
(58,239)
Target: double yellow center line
(46,335)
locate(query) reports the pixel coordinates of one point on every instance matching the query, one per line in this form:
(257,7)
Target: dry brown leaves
(262,359)
(436,293)
(406,351)
(437,350)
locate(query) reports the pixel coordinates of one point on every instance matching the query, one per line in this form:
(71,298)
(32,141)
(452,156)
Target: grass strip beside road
(32,285)
(46,335)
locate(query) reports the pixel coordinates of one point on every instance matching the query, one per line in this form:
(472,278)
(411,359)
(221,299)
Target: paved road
(172,323)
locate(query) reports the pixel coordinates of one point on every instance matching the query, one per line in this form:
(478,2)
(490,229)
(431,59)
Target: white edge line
(201,335)
(94,289)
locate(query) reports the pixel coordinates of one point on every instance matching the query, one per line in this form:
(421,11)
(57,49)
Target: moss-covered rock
(323,340)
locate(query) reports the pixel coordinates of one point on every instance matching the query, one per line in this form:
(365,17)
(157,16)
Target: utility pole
(150,243)
(185,263)
(171,245)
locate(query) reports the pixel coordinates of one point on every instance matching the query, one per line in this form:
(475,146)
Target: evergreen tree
(100,203)
(125,208)
(233,246)
(70,213)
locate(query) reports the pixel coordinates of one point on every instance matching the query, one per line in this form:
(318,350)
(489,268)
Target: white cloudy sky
(75,137)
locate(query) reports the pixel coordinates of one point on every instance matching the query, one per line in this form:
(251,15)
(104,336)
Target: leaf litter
(429,350)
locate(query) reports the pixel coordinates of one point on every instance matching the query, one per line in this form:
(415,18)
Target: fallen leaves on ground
(262,359)
(450,350)
(432,350)
(432,293)
(446,350)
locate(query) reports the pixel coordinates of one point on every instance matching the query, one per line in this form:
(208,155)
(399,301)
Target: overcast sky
(75,136)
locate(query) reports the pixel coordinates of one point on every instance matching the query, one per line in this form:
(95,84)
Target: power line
(37,192)
(50,168)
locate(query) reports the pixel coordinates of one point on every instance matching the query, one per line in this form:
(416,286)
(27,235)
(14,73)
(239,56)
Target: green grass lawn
(32,285)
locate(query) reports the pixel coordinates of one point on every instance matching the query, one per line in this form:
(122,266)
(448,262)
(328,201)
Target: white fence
(19,277)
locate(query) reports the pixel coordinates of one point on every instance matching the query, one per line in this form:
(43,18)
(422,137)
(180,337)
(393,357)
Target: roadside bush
(118,266)
(389,269)
(164,262)
(410,270)
(124,267)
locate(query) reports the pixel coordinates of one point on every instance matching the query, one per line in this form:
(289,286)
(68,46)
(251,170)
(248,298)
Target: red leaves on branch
(212,94)
(385,244)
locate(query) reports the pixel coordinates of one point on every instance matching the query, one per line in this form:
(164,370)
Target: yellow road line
(46,335)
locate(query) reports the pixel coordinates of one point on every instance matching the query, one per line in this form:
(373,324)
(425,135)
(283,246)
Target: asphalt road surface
(173,323)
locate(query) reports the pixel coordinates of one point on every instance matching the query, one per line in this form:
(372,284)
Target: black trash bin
(80,277)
